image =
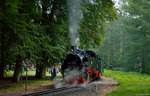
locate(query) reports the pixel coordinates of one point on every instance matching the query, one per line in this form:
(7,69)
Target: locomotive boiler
(80,66)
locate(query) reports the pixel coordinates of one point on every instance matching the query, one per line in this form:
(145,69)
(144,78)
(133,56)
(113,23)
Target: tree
(128,38)
(26,13)
(55,28)
(8,14)
(41,28)
(113,51)
(137,24)
(96,15)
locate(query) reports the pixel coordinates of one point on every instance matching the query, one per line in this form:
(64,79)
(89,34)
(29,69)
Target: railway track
(55,92)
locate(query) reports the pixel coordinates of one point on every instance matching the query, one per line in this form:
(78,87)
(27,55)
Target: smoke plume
(74,21)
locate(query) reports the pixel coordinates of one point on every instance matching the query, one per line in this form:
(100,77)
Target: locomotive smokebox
(73,49)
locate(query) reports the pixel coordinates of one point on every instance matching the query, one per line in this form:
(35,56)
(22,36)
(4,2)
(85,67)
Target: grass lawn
(10,73)
(30,73)
(129,83)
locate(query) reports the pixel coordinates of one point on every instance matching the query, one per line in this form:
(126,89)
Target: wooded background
(127,43)
(41,28)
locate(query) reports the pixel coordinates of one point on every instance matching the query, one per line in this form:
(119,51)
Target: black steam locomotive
(80,66)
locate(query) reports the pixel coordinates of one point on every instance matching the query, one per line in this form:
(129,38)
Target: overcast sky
(116,3)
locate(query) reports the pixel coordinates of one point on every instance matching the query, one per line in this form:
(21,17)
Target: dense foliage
(41,28)
(126,46)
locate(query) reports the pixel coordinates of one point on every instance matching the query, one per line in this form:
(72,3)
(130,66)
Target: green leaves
(41,28)
(127,41)
(96,15)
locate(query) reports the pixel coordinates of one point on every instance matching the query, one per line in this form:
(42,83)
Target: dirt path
(31,89)
(106,85)
(101,88)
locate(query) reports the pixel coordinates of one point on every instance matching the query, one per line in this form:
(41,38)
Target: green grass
(129,83)
(30,73)
(10,73)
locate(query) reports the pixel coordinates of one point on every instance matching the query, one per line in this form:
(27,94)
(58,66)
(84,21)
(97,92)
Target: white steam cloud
(71,75)
(74,21)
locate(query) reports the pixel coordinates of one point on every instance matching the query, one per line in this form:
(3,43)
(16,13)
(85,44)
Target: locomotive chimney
(73,49)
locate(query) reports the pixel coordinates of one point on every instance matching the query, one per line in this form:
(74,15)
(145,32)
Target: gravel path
(97,88)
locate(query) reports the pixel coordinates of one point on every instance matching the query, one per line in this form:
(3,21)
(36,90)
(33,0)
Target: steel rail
(51,91)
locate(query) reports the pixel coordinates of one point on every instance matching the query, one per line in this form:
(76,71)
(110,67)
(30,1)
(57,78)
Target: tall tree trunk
(41,68)
(108,61)
(112,52)
(40,71)
(2,65)
(37,71)
(17,70)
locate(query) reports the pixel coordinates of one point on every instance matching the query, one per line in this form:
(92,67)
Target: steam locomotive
(80,66)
